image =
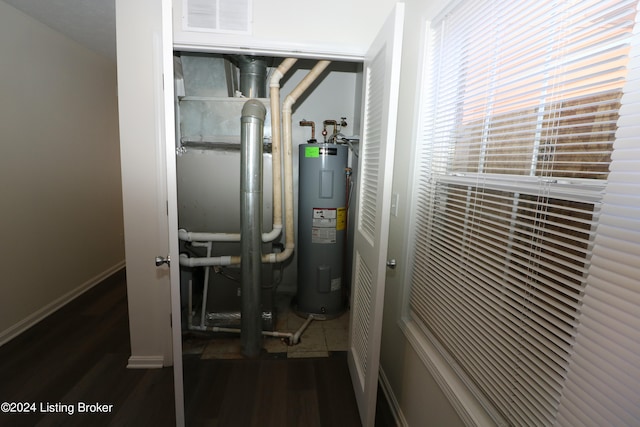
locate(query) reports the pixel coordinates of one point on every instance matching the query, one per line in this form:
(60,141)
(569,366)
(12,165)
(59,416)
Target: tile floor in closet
(319,339)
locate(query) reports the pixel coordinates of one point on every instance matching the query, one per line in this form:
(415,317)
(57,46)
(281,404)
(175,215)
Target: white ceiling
(91,23)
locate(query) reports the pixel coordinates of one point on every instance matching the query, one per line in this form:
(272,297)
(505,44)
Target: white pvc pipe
(205,290)
(276,139)
(199,236)
(195,236)
(298,334)
(288,161)
(190,314)
(293,337)
(187,261)
(273,234)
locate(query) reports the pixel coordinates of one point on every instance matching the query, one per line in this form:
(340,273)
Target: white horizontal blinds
(603,383)
(518,132)
(501,290)
(520,67)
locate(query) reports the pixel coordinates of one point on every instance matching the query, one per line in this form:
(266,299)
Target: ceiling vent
(220,16)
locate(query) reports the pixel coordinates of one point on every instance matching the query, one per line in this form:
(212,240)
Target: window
(519,125)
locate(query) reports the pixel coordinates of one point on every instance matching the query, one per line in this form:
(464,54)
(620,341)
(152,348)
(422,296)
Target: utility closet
(267,153)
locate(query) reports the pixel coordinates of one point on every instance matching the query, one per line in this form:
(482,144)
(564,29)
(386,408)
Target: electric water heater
(322,224)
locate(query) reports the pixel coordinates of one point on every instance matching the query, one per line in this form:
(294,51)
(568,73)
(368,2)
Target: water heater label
(324,225)
(323,235)
(328,151)
(312,151)
(341,219)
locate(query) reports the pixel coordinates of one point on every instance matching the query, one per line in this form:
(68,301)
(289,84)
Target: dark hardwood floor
(79,355)
(270,392)
(76,358)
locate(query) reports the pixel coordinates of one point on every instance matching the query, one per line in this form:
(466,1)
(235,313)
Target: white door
(380,105)
(165,43)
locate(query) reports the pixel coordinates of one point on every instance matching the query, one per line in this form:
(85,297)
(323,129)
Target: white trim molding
(394,405)
(465,402)
(34,318)
(146,362)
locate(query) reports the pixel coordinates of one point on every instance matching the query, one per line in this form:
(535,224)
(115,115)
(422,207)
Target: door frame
(169,128)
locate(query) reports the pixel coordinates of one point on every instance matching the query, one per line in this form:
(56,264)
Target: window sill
(470,409)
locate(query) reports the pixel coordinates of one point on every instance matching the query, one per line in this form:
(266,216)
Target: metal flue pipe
(253,76)
(251,135)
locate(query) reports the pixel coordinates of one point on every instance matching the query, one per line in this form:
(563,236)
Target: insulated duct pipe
(251,134)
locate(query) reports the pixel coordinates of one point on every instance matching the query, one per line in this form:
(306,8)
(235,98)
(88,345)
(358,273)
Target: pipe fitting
(253,109)
(253,76)
(313,129)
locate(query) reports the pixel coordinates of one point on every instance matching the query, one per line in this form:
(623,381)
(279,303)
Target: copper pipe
(313,129)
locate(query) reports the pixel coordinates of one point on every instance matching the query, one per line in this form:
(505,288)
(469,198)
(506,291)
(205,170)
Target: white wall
(293,26)
(60,183)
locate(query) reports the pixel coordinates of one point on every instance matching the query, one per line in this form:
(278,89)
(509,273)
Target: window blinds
(518,129)
(603,383)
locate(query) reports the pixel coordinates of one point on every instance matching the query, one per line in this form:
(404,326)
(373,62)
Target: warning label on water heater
(326,223)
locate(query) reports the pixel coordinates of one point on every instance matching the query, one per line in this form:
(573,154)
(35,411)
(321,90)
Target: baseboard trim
(145,362)
(398,416)
(29,321)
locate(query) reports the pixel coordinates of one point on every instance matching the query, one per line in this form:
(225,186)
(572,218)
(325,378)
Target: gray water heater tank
(322,224)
